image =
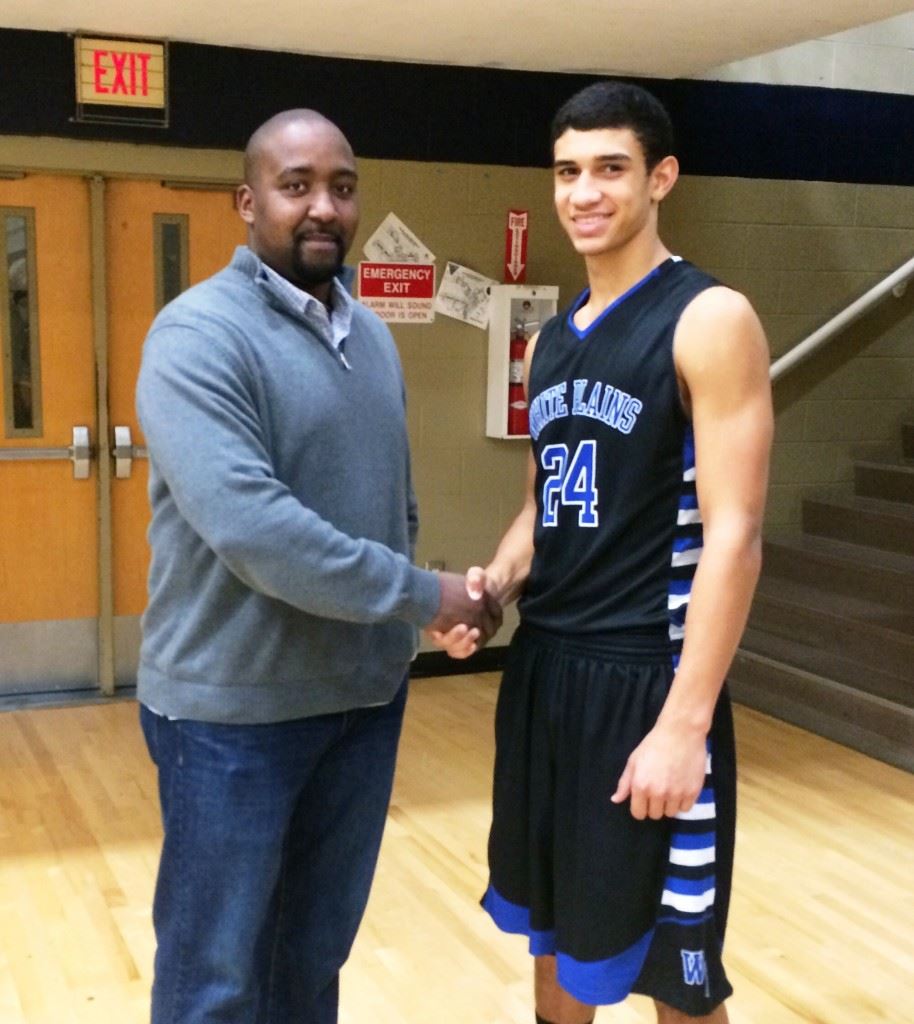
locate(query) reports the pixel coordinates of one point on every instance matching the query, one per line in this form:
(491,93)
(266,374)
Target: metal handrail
(894,283)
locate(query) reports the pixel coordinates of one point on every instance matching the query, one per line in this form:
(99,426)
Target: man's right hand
(466,608)
(462,640)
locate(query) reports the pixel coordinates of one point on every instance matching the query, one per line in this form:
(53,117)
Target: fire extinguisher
(518,422)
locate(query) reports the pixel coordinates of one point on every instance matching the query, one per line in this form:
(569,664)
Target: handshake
(469,614)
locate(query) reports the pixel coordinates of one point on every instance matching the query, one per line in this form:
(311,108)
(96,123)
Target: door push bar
(80,453)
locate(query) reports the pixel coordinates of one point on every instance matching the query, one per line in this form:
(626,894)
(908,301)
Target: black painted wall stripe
(470,115)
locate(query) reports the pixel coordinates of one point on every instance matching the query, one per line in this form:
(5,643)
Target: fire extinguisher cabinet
(516,313)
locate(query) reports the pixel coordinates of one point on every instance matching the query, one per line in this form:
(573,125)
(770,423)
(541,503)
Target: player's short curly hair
(611,104)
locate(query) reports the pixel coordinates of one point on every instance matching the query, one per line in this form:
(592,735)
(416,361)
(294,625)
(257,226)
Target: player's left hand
(664,774)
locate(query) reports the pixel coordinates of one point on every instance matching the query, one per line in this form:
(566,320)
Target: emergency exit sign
(399,292)
(129,74)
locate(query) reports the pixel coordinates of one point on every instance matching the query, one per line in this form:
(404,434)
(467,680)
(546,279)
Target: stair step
(880,728)
(847,606)
(871,522)
(881,678)
(849,570)
(830,641)
(865,632)
(886,480)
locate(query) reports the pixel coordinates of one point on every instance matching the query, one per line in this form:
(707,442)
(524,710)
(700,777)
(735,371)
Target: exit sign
(121,80)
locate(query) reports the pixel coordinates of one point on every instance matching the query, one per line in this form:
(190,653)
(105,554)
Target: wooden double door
(85,263)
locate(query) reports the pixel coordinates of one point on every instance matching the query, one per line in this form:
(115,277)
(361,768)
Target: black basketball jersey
(618,530)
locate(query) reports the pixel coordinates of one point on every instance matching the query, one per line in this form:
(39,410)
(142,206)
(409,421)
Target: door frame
(99,301)
(98,163)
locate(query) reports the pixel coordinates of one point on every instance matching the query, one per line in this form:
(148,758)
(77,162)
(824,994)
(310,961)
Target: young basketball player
(634,557)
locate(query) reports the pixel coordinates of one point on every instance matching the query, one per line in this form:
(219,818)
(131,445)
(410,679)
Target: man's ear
(244,201)
(663,177)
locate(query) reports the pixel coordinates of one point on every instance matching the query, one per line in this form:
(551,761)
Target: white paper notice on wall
(393,242)
(465,295)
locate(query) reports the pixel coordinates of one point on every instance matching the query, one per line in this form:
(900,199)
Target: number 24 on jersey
(571,483)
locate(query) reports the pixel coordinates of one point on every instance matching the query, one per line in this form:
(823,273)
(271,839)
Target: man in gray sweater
(283,602)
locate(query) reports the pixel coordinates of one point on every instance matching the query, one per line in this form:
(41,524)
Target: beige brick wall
(469,486)
(802,251)
(874,58)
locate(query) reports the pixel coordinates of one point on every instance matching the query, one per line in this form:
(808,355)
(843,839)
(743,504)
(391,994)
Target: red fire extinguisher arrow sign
(516,247)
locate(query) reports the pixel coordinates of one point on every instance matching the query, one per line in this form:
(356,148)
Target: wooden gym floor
(821,927)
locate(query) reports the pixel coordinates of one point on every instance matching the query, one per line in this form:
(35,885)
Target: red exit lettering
(129,72)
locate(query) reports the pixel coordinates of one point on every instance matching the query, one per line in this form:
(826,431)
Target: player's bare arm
(722,361)
(507,573)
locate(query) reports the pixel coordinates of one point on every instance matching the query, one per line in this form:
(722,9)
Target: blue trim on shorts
(595,982)
(691,886)
(515,919)
(686,922)
(693,840)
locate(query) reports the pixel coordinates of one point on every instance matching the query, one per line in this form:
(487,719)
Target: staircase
(830,640)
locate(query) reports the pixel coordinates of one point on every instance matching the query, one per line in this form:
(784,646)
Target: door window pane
(19,301)
(171,256)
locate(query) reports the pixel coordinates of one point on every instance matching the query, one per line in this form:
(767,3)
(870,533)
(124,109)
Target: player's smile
(589,224)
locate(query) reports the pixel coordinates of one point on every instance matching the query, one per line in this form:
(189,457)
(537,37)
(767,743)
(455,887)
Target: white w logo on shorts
(694,969)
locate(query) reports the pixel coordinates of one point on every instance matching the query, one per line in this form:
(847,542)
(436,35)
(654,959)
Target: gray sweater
(283,517)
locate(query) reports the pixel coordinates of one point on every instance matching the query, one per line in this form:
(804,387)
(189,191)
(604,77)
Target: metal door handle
(124,452)
(79,453)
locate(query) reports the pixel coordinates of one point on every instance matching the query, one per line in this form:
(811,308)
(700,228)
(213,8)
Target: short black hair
(611,104)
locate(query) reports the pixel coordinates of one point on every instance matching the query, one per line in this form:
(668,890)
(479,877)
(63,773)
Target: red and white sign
(122,72)
(399,292)
(516,247)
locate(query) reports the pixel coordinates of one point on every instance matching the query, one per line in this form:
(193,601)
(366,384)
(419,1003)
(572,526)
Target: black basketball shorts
(625,905)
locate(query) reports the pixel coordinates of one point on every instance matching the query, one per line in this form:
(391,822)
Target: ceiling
(654,38)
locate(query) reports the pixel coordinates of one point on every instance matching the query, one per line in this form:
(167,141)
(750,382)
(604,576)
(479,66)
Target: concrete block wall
(800,250)
(875,58)
(809,249)
(469,486)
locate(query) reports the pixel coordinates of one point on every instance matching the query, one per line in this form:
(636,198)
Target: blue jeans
(271,839)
